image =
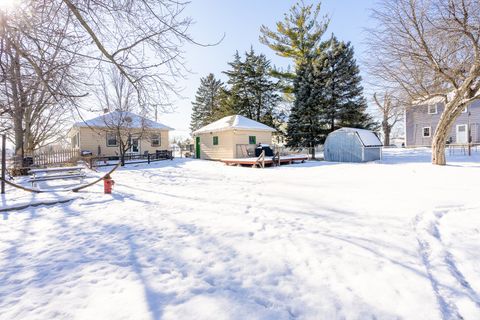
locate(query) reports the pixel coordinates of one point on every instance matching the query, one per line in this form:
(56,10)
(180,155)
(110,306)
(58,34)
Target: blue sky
(240,21)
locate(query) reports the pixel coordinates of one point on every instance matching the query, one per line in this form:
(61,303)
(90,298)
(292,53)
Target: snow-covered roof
(234,122)
(116,117)
(367,137)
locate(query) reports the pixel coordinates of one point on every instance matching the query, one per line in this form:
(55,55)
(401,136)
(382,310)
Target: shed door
(462,134)
(197,147)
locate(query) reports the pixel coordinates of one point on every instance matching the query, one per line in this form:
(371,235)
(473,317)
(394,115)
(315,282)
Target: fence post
(4,161)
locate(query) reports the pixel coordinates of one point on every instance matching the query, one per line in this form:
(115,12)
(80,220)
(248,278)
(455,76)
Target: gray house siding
(417,118)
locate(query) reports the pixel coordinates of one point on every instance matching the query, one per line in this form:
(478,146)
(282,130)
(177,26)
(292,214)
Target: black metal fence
(105,161)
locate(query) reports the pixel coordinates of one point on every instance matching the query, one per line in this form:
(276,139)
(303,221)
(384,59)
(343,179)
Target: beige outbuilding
(99,136)
(230,137)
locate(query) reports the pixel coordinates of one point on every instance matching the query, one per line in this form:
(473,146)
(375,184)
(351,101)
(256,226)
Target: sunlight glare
(8,4)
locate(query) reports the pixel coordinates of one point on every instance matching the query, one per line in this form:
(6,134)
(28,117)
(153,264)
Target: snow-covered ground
(192,239)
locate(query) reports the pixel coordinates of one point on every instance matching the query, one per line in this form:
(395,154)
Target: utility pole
(469,134)
(4,161)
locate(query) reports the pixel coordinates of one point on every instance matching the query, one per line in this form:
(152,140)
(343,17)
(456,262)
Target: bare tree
(118,98)
(142,39)
(430,49)
(391,113)
(36,110)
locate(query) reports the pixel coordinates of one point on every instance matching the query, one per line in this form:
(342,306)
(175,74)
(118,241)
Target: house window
(111,139)
(432,109)
(215,141)
(155,140)
(426,132)
(252,140)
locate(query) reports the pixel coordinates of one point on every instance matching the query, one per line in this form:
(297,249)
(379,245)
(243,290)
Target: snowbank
(196,239)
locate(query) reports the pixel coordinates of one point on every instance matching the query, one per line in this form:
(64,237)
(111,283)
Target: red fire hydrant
(108,184)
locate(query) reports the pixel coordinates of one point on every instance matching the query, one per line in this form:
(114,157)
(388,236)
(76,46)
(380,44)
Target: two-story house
(422,120)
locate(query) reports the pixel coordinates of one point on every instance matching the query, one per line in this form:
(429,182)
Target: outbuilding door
(462,134)
(197,147)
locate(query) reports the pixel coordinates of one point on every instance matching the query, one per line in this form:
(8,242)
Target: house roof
(234,122)
(367,137)
(117,117)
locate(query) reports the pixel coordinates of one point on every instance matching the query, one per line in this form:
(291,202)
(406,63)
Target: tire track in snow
(446,279)
(452,266)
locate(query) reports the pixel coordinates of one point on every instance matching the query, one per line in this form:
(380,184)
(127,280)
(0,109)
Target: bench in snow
(62,173)
(52,170)
(57,177)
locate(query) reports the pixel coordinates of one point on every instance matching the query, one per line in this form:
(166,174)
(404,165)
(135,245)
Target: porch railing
(248,150)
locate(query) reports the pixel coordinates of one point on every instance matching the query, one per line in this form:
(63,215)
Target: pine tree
(306,122)
(344,104)
(297,37)
(207,106)
(252,93)
(237,96)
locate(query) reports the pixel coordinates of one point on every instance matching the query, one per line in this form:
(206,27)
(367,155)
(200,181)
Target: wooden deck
(268,161)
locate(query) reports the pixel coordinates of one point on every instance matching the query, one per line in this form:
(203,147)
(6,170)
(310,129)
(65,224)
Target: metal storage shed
(352,145)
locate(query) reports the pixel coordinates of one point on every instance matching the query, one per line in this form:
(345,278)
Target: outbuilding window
(426,132)
(252,140)
(111,139)
(433,109)
(155,140)
(215,140)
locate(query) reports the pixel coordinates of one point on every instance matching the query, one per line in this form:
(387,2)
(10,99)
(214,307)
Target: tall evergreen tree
(328,95)
(343,102)
(298,37)
(306,122)
(252,92)
(207,106)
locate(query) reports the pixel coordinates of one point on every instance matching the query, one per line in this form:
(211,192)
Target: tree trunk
(121,150)
(28,143)
(313,153)
(444,127)
(386,132)
(18,132)
(18,111)
(438,149)
(386,140)
(122,157)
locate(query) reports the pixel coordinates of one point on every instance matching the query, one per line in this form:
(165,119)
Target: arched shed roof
(367,137)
